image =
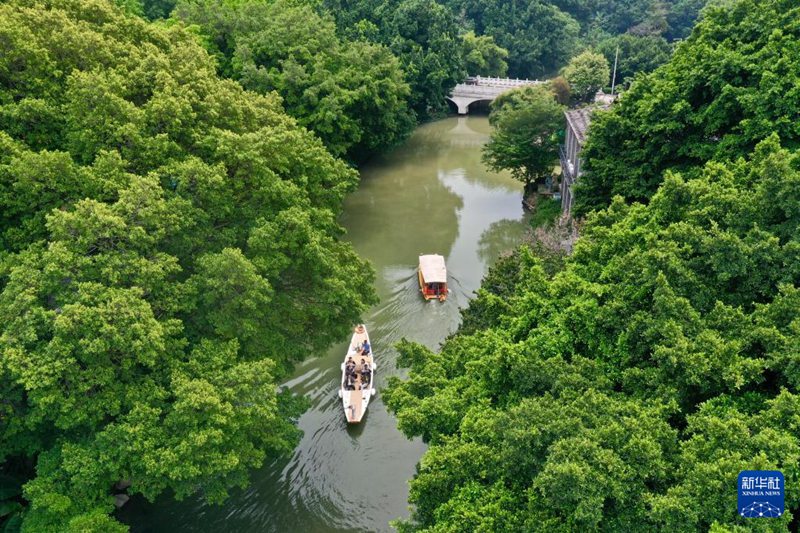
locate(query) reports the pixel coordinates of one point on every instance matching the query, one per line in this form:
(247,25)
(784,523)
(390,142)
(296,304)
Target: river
(430,195)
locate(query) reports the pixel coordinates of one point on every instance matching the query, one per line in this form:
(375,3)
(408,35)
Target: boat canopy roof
(432,268)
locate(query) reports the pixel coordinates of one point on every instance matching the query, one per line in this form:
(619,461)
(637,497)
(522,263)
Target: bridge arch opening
(479,107)
(466,106)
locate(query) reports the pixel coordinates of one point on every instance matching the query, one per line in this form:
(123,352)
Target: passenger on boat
(350,382)
(365,348)
(366,371)
(350,367)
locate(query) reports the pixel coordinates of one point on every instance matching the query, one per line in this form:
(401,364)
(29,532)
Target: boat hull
(356,398)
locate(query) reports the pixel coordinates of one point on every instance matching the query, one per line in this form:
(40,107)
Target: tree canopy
(727,87)
(542,35)
(166,236)
(539,37)
(586,73)
(436,43)
(526,123)
(635,54)
(351,93)
(483,57)
(423,34)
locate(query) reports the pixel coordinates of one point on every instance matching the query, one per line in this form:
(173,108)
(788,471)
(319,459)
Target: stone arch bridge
(478,88)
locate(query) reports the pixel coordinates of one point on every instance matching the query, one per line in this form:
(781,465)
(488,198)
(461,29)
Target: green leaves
(524,140)
(165,235)
(728,87)
(539,36)
(483,57)
(352,94)
(232,298)
(586,73)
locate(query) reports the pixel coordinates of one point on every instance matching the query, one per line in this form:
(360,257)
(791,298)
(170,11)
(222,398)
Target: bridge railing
(503,82)
(474,90)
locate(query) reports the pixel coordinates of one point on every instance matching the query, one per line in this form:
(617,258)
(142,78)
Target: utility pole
(614,76)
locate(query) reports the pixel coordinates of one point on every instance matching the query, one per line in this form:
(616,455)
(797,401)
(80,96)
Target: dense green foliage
(561,90)
(168,248)
(546,212)
(524,139)
(352,94)
(586,73)
(274,46)
(542,35)
(730,85)
(626,391)
(482,57)
(423,34)
(683,15)
(539,37)
(635,54)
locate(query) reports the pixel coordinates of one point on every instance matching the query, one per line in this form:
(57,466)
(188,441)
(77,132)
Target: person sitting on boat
(350,382)
(365,348)
(366,371)
(350,366)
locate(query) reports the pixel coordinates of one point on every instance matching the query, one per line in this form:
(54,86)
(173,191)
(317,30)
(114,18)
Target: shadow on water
(500,237)
(431,195)
(356,430)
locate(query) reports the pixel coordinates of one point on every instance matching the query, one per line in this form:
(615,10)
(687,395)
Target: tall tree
(635,54)
(682,16)
(423,34)
(524,140)
(538,36)
(586,73)
(483,57)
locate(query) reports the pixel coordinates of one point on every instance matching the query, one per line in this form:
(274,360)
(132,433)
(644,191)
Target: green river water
(430,195)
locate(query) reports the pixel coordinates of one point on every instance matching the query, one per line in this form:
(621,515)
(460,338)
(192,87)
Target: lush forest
(624,387)
(730,85)
(166,236)
(361,73)
(351,93)
(170,179)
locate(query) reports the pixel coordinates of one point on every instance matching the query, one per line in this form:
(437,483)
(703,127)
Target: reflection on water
(431,195)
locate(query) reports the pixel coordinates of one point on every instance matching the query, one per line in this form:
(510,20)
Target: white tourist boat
(358,387)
